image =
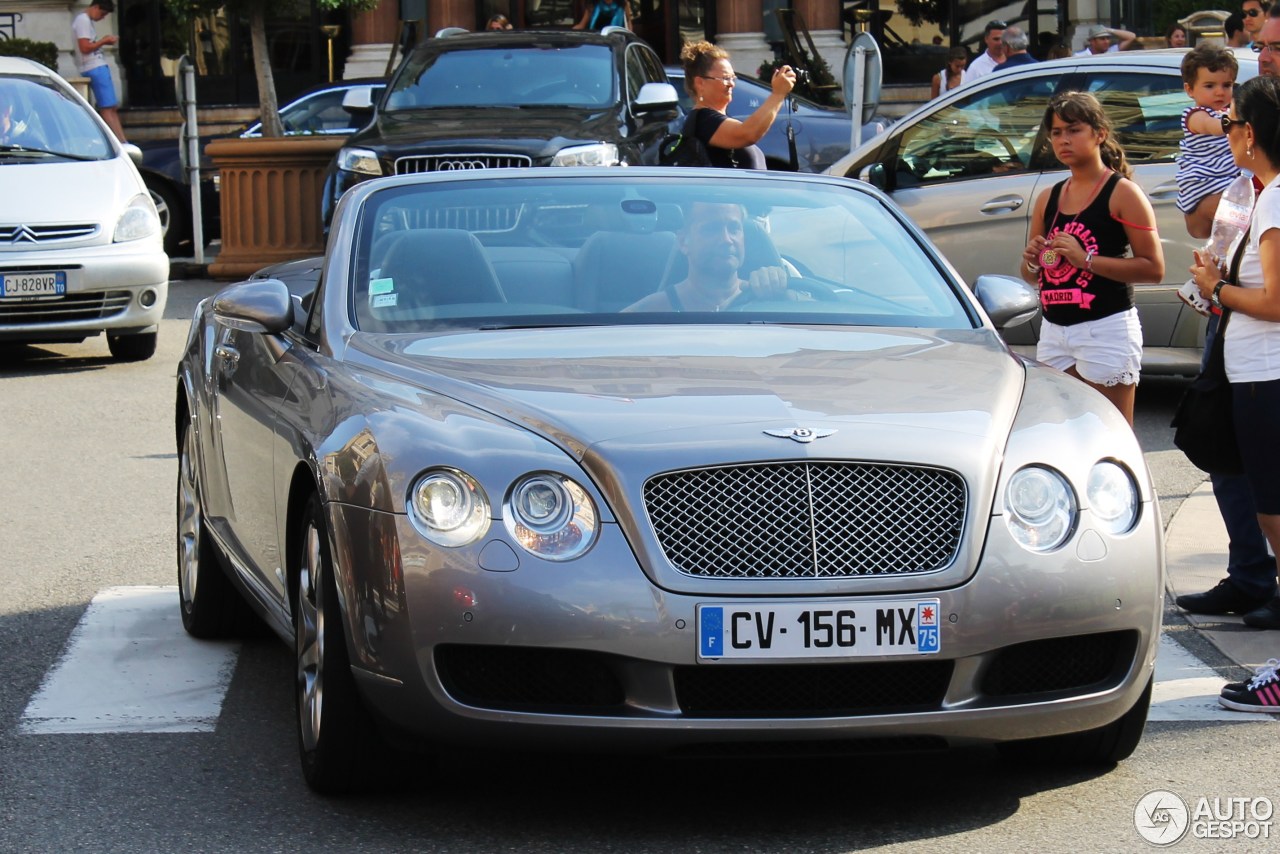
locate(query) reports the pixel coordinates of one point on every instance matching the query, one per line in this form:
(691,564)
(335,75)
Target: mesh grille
(807,520)
(24,234)
(459,162)
(808,690)
(89,305)
(1060,664)
(524,679)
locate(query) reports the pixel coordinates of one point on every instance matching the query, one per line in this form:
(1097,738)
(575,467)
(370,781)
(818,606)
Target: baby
(1205,166)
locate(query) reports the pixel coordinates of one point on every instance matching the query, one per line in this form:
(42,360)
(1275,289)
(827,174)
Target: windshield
(527,76)
(35,115)
(611,250)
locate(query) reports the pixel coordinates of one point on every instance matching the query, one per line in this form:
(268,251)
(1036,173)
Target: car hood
(704,395)
(489,129)
(54,191)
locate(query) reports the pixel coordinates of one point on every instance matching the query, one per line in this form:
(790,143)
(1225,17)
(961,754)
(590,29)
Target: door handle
(227,353)
(1004,204)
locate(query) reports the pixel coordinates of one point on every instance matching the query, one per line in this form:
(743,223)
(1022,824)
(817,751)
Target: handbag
(1204,423)
(684,148)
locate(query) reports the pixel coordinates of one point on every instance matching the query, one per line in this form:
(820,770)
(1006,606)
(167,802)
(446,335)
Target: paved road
(86,505)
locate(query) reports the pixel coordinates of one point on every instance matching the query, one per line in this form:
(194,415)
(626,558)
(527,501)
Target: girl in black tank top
(1092,237)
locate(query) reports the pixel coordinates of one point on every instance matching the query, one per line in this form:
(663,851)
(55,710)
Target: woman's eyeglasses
(732,78)
(1228,123)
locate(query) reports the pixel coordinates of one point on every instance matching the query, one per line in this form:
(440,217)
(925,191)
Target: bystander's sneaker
(1225,598)
(1259,694)
(1267,669)
(1266,617)
(1190,294)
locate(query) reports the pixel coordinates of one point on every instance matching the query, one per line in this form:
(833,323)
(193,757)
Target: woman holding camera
(709,77)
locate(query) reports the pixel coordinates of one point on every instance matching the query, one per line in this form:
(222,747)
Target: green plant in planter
(45,53)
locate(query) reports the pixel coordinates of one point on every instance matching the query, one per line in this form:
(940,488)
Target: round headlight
(551,516)
(1040,508)
(1113,497)
(449,507)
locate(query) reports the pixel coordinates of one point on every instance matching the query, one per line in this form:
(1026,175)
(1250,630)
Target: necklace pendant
(1050,257)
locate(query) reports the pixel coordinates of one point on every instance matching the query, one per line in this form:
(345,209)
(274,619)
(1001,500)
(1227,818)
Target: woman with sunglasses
(1092,237)
(1252,340)
(709,78)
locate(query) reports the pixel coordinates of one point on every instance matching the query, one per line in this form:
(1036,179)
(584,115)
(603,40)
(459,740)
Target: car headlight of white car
(597,154)
(139,220)
(1113,497)
(362,161)
(449,507)
(1039,508)
(551,516)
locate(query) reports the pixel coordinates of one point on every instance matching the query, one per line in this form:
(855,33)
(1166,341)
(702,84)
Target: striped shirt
(1205,164)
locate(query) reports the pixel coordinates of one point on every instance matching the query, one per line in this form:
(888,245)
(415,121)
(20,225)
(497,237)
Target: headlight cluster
(547,514)
(139,220)
(598,154)
(362,161)
(1041,510)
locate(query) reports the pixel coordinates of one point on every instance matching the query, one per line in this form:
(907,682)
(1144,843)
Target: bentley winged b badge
(803,435)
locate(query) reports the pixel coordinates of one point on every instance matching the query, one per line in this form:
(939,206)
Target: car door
(965,172)
(248,386)
(1145,107)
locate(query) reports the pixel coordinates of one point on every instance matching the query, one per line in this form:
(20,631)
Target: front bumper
(116,287)
(1031,646)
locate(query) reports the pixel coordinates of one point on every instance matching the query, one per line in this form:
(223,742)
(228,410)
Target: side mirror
(654,97)
(135,153)
(257,306)
(1006,300)
(875,175)
(358,100)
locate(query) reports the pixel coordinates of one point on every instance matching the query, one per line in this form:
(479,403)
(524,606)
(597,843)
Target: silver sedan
(651,459)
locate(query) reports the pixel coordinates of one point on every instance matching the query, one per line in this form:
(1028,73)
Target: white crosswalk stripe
(130,667)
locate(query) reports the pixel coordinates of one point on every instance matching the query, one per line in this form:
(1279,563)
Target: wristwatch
(1216,299)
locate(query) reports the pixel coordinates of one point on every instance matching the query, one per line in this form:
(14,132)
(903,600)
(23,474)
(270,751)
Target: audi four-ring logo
(457,165)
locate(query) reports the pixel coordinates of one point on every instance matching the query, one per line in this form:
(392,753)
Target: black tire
(1106,745)
(337,743)
(211,606)
(172,211)
(132,348)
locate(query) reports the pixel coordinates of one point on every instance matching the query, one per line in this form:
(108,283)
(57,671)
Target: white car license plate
(24,285)
(834,630)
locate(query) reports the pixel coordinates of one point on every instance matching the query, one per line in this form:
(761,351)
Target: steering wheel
(805,289)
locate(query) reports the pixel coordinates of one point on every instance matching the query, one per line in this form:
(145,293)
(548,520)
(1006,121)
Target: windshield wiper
(42,152)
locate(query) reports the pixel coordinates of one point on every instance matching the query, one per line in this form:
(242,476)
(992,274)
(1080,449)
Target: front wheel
(132,348)
(335,733)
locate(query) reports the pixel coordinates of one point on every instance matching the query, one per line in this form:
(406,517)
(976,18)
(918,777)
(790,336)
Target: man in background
(92,64)
(993,38)
(1255,14)
(1233,28)
(1016,43)
(1099,39)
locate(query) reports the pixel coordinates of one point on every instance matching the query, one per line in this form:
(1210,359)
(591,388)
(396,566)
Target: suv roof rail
(451,31)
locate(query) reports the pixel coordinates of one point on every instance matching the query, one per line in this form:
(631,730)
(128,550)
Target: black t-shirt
(705,124)
(1069,295)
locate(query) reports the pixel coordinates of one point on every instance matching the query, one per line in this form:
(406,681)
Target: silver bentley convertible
(658,459)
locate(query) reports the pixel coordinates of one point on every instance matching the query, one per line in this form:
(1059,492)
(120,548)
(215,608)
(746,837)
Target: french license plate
(841,630)
(25,285)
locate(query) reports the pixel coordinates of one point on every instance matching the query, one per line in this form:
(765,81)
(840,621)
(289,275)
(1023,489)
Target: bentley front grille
(807,519)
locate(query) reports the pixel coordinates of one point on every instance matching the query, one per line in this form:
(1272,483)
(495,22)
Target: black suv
(512,99)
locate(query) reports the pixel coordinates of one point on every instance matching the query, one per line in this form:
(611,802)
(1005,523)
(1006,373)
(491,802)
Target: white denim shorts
(1105,352)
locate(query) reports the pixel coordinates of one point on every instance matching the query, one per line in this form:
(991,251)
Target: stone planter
(271,190)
